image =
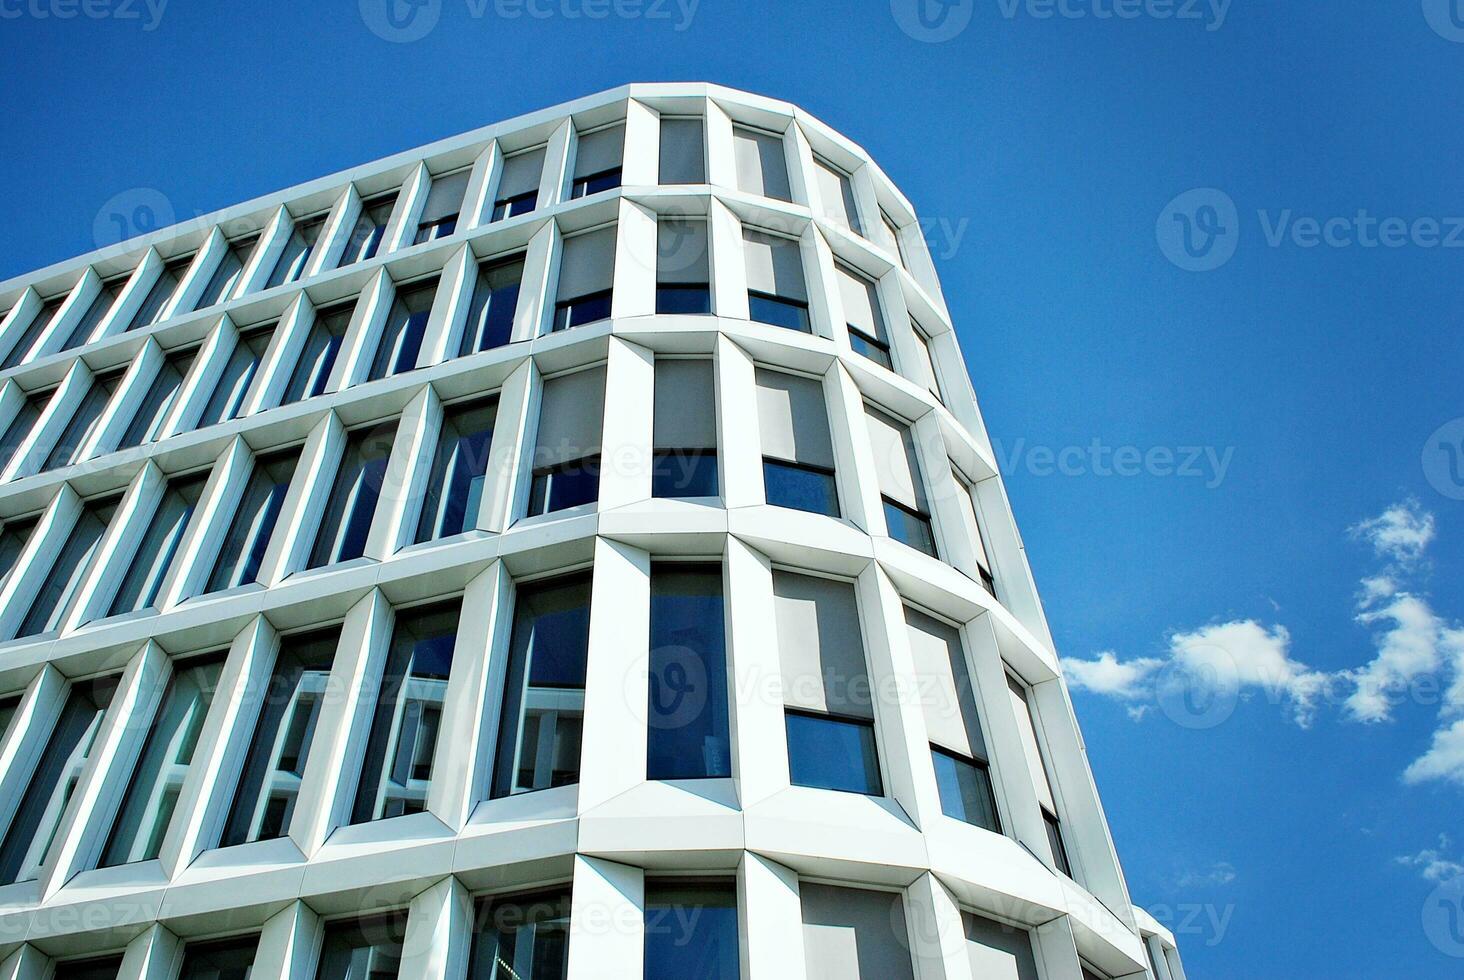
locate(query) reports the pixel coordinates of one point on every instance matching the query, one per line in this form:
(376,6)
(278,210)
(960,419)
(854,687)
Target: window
(688,736)
(776,293)
(586,278)
(798,452)
(836,195)
(247,537)
(567,449)
(966,497)
(892,235)
(363,949)
(346,522)
(521,938)
(370,229)
(459,471)
(299,248)
(691,931)
(685,463)
(948,700)
(397,770)
(230,271)
(544,695)
(322,345)
(518,187)
(59,588)
(153,307)
(148,568)
(38,815)
(862,314)
(762,167)
(683,150)
(597,161)
(907,515)
(495,301)
(1037,769)
(32,333)
(84,420)
(21,425)
(147,424)
(406,325)
(100,306)
(854,934)
(444,203)
(8,707)
(227,400)
(998,951)
(157,781)
(101,968)
(926,368)
(683,276)
(283,733)
(829,707)
(14,535)
(226,959)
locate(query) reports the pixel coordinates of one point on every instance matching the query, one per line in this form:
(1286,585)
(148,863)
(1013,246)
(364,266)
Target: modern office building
(568,550)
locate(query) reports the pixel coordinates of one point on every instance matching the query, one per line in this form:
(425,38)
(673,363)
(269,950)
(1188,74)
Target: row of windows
(361,226)
(690,929)
(566,461)
(830,706)
(248,369)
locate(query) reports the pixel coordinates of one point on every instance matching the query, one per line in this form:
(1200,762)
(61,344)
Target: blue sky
(1314,365)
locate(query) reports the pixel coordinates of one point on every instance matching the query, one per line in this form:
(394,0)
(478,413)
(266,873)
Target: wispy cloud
(1400,533)
(1433,863)
(1221,873)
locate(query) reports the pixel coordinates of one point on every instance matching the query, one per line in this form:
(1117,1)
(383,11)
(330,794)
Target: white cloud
(1400,533)
(1432,864)
(1222,873)
(1106,675)
(1443,760)
(1408,648)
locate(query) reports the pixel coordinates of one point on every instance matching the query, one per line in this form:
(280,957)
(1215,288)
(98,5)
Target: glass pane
(687,716)
(33,331)
(20,426)
(355,490)
(683,298)
(831,753)
(406,326)
(570,485)
(84,422)
(105,968)
(490,316)
(363,949)
(58,591)
(1054,841)
(229,959)
(873,349)
(151,310)
(578,312)
(763,308)
(296,255)
(801,488)
(95,314)
(249,532)
(544,697)
(29,836)
(13,538)
(397,771)
(965,790)
(521,939)
(510,207)
(459,470)
(270,782)
(691,932)
(312,370)
(370,228)
(8,707)
(910,528)
(149,566)
(148,422)
(228,398)
(157,782)
(684,474)
(226,277)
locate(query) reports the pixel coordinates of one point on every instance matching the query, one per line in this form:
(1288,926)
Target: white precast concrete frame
(603,836)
